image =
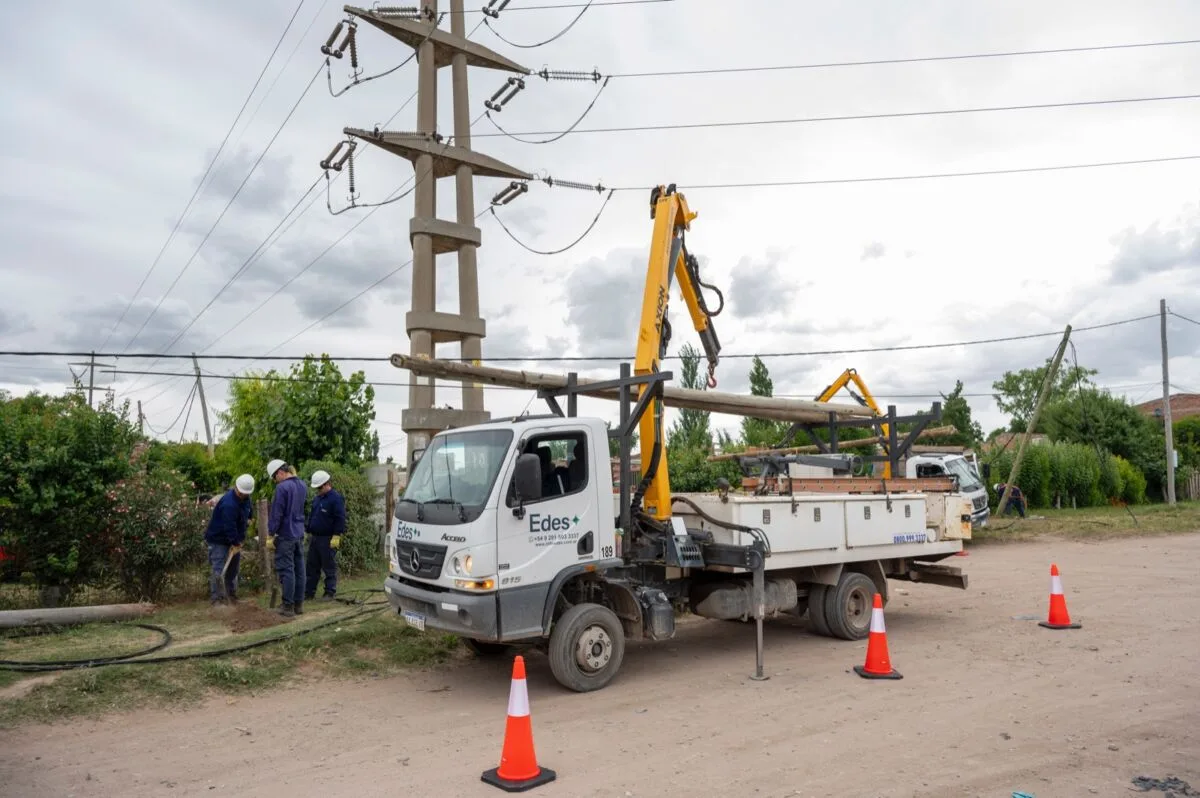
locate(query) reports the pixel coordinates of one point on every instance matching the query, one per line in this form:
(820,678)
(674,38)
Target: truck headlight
(462,564)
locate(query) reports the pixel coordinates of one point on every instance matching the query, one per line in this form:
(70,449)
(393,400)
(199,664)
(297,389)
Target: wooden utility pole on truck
(1168,430)
(1037,411)
(203,405)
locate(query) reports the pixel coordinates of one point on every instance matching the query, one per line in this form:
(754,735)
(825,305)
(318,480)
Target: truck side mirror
(987,471)
(527,481)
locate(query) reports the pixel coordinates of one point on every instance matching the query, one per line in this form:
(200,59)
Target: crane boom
(669,258)
(866,400)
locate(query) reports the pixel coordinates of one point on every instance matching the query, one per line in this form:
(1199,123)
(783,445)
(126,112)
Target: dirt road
(989,704)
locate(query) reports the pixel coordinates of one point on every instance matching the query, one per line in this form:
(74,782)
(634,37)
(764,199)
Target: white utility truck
(509,532)
(970,484)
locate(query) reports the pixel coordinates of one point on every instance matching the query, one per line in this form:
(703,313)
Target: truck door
(536,541)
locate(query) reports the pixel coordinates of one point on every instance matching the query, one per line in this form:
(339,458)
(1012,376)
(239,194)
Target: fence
(1191,488)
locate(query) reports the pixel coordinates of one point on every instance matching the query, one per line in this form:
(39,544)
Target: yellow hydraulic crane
(865,399)
(669,257)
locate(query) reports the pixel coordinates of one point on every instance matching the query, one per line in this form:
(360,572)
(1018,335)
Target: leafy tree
(1186,433)
(1098,418)
(761,432)
(314,413)
(691,431)
(1017,391)
(957,411)
(58,457)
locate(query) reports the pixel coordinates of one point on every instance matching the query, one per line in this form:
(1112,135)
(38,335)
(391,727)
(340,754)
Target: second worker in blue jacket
(286,527)
(326,525)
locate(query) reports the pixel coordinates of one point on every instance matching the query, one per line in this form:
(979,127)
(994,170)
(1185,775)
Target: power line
(221,216)
(889,61)
(922,176)
(203,177)
(580,358)
(849,117)
(1185,318)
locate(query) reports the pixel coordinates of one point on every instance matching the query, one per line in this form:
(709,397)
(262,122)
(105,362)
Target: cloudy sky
(112,115)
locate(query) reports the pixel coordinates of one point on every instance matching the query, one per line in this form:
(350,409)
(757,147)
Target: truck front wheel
(587,645)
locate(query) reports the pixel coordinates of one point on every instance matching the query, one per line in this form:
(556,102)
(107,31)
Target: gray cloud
(1155,250)
(14,323)
(267,190)
(90,325)
(604,298)
(759,287)
(875,249)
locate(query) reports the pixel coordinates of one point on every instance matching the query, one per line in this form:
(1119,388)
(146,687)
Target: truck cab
(970,485)
(513,504)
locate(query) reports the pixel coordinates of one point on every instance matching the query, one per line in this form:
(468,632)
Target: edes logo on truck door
(552,530)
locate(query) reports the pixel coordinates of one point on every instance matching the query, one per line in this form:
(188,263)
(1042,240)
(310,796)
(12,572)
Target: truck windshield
(967,480)
(459,468)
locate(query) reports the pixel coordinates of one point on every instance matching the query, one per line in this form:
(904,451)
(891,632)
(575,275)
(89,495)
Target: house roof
(1182,406)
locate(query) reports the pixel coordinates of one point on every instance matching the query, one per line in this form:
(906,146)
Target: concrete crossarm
(733,404)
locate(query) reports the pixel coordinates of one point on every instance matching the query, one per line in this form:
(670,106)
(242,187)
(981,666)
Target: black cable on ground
(91,661)
(42,667)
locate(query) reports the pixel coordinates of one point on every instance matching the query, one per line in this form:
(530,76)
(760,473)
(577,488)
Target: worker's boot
(286,610)
(299,608)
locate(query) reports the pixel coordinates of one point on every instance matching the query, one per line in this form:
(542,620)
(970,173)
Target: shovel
(233,550)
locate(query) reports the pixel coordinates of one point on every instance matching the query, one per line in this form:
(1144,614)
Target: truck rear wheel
(587,645)
(848,606)
(816,609)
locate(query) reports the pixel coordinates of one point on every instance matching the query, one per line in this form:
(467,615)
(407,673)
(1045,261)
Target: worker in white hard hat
(225,535)
(326,525)
(285,525)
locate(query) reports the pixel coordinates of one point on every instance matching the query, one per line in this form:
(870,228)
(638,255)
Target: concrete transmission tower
(434,157)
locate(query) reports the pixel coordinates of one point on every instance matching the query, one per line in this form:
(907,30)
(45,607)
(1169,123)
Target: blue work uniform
(286,525)
(226,528)
(327,518)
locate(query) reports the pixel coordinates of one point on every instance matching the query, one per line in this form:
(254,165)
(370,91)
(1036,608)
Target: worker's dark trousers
(289,564)
(321,557)
(217,552)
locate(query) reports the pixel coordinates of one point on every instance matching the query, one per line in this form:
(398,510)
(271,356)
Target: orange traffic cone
(1058,618)
(879,664)
(518,769)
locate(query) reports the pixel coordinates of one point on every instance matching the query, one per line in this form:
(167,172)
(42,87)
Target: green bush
(1133,482)
(58,458)
(154,526)
(361,548)
(1070,471)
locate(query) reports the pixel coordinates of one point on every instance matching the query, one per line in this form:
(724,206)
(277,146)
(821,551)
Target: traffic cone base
(1058,617)
(863,672)
(518,770)
(879,663)
(492,777)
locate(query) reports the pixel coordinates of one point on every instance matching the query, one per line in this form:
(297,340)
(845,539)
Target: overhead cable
(203,177)
(849,117)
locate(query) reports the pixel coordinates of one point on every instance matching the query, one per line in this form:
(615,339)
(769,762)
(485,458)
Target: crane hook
(712,379)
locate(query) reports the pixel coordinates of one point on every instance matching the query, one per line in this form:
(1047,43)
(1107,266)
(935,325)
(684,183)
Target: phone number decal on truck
(909,538)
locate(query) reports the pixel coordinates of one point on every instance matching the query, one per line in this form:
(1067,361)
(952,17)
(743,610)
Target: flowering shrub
(154,526)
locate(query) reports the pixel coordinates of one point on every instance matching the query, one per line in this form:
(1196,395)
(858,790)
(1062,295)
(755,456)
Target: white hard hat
(245,484)
(274,466)
(319,478)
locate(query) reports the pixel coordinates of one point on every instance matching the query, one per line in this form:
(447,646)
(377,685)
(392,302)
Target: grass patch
(1093,523)
(373,644)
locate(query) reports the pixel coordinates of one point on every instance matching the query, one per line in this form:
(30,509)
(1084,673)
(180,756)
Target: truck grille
(979,502)
(420,559)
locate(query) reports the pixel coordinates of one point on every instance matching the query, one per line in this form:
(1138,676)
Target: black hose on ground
(130,659)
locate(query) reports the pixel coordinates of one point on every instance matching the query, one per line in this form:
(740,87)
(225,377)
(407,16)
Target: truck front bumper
(465,614)
(980,518)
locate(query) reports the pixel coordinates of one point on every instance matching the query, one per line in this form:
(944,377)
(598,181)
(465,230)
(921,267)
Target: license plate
(414,619)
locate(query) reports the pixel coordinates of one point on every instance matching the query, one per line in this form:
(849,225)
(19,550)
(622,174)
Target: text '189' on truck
(510,533)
